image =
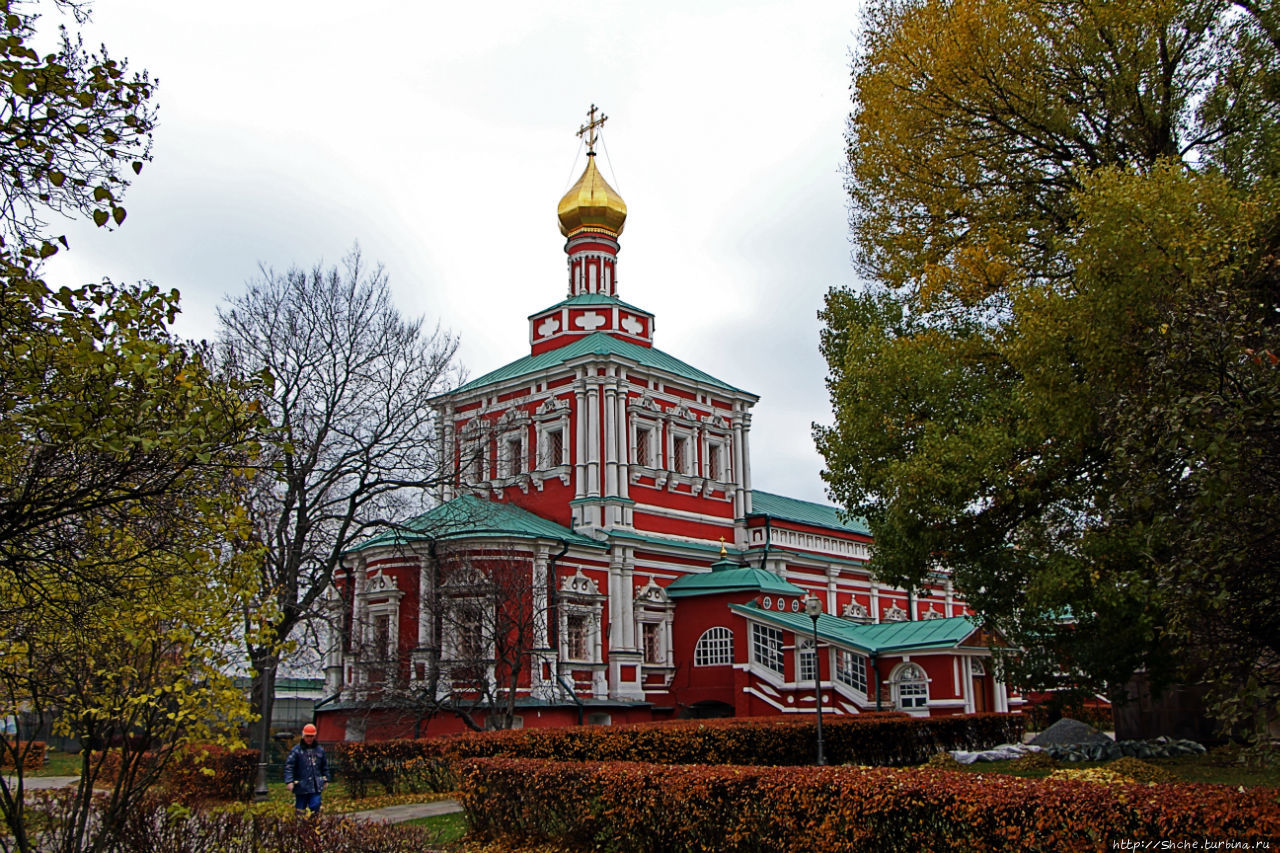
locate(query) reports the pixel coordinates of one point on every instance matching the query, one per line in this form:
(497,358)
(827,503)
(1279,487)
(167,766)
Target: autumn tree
(74,127)
(123,546)
(125,554)
(1061,380)
(352,441)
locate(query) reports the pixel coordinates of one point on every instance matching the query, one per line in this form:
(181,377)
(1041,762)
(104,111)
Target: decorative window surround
(654,612)
(580,598)
(552,420)
(855,611)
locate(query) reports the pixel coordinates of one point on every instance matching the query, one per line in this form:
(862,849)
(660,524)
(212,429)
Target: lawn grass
(445,828)
(59,764)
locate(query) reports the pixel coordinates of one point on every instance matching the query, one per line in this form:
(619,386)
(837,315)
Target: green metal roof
(884,638)
(683,544)
(805,512)
(473,516)
(727,576)
(597,343)
(593,299)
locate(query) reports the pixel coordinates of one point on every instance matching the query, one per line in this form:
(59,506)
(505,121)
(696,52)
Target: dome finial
(588,130)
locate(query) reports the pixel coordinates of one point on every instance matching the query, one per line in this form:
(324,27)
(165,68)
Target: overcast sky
(441,136)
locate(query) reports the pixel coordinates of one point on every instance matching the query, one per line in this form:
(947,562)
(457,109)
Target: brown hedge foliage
(885,739)
(195,773)
(31,753)
(647,807)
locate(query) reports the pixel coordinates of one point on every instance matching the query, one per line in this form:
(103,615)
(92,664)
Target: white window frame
(680,464)
(806,660)
(766,648)
(513,451)
(851,670)
(650,430)
(714,647)
(915,697)
(717,447)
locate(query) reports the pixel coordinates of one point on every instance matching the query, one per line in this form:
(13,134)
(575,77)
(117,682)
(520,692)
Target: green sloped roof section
(885,638)
(726,576)
(805,512)
(597,343)
(472,516)
(592,299)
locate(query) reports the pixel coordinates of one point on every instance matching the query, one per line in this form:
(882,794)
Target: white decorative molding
(895,614)
(931,614)
(591,321)
(548,326)
(632,325)
(854,610)
(580,584)
(651,593)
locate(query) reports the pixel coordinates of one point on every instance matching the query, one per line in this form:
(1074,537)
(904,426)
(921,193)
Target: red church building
(602,556)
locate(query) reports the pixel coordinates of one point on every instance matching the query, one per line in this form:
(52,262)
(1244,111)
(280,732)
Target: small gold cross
(589,129)
(723,552)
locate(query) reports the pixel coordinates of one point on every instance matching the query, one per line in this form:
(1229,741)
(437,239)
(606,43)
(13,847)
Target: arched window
(714,648)
(911,688)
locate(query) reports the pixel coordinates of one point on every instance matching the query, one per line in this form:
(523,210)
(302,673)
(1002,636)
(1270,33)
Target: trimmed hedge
(885,739)
(648,807)
(30,752)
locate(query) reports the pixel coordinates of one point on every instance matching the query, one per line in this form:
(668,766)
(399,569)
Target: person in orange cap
(306,772)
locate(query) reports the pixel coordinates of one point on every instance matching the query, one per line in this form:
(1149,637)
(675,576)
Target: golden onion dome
(592,203)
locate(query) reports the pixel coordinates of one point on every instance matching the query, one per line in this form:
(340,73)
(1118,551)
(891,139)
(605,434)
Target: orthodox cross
(589,129)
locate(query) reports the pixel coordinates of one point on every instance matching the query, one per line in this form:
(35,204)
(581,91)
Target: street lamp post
(813,607)
(260,792)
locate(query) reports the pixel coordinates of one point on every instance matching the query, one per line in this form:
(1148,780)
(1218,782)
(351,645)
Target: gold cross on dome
(589,129)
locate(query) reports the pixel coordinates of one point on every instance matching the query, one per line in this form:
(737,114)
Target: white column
(592,421)
(425,572)
(611,435)
(540,602)
(580,439)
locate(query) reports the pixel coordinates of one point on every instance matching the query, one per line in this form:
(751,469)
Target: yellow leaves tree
(1057,381)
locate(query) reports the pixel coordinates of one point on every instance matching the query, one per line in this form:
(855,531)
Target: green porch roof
(597,343)
(804,512)
(592,299)
(727,576)
(885,638)
(473,516)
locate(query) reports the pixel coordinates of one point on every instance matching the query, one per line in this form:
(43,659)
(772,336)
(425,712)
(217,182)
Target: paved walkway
(408,811)
(389,814)
(35,783)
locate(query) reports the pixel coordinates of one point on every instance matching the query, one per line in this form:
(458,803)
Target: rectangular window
(381,636)
(714,466)
(473,462)
(575,636)
(470,633)
(511,453)
(644,447)
(913,694)
(808,660)
(766,647)
(680,454)
(652,636)
(851,669)
(555,449)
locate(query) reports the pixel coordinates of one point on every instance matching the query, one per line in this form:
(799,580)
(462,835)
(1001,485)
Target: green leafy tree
(74,126)
(126,555)
(1060,383)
